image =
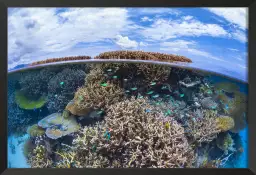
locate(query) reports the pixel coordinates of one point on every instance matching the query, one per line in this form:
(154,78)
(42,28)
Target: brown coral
(204,129)
(35,131)
(225,123)
(141,55)
(51,60)
(154,72)
(132,137)
(97,95)
(225,142)
(237,110)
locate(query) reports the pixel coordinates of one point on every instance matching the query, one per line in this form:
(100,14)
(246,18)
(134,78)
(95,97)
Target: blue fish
(147,110)
(155,96)
(34,109)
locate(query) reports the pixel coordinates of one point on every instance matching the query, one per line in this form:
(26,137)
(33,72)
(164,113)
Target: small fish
(150,92)
(109,70)
(100,112)
(61,83)
(155,96)
(105,75)
(104,84)
(134,89)
(34,109)
(157,103)
(55,95)
(93,148)
(153,83)
(140,96)
(115,77)
(169,112)
(209,92)
(164,87)
(127,91)
(81,97)
(167,125)
(40,110)
(181,95)
(125,79)
(147,110)
(167,95)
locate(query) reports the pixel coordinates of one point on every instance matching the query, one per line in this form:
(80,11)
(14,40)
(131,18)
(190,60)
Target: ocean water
(125,115)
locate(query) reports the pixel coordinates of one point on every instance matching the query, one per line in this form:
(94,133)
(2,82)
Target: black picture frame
(4,4)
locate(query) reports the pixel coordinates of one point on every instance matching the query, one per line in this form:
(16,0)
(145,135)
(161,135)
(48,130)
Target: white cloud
(232,49)
(236,16)
(143,44)
(125,42)
(170,11)
(186,18)
(145,18)
(186,46)
(239,35)
(35,31)
(163,30)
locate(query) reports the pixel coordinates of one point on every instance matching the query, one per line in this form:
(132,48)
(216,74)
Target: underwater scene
(125,115)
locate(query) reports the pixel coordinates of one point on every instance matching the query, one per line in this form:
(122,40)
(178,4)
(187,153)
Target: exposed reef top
(51,60)
(141,55)
(134,55)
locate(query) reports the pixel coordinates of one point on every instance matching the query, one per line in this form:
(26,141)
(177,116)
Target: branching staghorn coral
(39,158)
(96,75)
(132,137)
(97,95)
(153,72)
(204,130)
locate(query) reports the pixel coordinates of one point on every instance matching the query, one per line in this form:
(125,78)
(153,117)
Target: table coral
(28,104)
(57,126)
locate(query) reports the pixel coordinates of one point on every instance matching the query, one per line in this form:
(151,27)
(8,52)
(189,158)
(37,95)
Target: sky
(213,38)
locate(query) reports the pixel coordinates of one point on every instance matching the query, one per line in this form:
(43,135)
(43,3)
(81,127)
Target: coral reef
(120,115)
(97,95)
(226,86)
(24,103)
(204,129)
(141,55)
(143,139)
(28,147)
(225,123)
(51,60)
(208,103)
(18,119)
(73,109)
(35,131)
(34,83)
(39,158)
(154,73)
(57,126)
(225,143)
(61,88)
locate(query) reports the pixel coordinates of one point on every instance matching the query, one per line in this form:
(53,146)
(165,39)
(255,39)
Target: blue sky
(214,38)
